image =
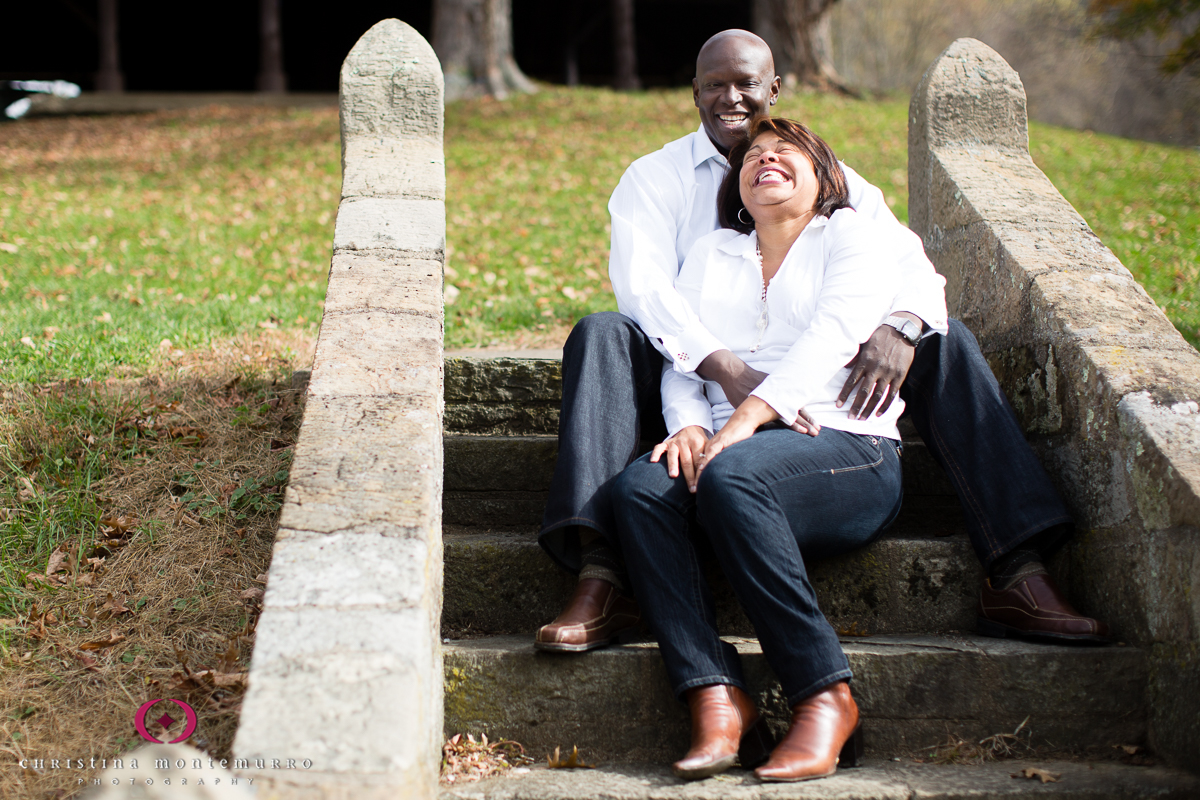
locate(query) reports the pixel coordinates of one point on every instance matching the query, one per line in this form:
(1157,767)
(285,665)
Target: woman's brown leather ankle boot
(824,732)
(724,722)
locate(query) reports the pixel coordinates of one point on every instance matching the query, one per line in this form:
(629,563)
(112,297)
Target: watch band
(910,330)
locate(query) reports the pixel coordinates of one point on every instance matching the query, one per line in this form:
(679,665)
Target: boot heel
(852,750)
(756,745)
(989,628)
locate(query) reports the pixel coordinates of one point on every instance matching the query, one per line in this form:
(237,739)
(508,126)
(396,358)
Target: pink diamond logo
(166,720)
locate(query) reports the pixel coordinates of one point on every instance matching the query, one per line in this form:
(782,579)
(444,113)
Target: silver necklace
(763,316)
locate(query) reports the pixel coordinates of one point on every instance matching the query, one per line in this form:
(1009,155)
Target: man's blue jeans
(764,505)
(611,402)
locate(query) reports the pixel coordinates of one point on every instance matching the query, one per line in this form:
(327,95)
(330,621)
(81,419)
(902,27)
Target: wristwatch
(910,330)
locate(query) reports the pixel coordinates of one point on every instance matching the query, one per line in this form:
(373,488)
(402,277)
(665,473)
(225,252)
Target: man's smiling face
(735,82)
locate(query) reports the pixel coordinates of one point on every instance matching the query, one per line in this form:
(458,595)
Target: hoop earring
(744,222)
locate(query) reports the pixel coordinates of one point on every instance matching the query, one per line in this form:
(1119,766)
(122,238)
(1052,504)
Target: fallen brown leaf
(84,659)
(1033,773)
(57,560)
(118,526)
(46,580)
(100,644)
(188,436)
(27,491)
(225,679)
(572,761)
(253,594)
(116,605)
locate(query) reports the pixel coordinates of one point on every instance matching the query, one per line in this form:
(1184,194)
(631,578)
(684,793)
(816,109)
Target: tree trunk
(109,78)
(624,49)
(271,77)
(798,34)
(473,40)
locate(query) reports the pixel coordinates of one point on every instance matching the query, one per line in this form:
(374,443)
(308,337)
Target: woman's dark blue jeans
(765,505)
(611,402)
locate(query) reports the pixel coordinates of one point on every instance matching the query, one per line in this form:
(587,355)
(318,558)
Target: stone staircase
(903,606)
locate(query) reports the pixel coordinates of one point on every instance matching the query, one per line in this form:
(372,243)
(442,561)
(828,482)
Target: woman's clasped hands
(691,449)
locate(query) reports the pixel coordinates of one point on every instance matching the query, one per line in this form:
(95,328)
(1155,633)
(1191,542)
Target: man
(612,366)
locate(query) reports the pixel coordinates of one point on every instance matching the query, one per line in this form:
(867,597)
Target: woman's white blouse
(835,287)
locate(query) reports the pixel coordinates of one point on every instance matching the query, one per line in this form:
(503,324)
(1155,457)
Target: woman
(793,284)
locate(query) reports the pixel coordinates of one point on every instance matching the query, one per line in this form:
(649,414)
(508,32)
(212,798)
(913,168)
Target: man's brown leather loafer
(595,615)
(1035,609)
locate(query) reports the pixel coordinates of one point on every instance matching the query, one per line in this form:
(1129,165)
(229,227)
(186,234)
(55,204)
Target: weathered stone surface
(379,166)
(503,380)
(345,570)
(503,419)
(503,463)
(412,227)
(347,666)
(616,705)
(391,85)
(504,509)
(382,353)
(380,280)
(345,687)
(369,465)
(877,779)
(505,583)
(1104,384)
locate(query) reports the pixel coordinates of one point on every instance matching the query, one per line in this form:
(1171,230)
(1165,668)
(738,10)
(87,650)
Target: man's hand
(683,451)
(737,378)
(878,371)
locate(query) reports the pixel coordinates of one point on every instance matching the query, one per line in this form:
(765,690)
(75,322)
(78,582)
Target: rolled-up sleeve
(860,281)
(643,263)
(921,290)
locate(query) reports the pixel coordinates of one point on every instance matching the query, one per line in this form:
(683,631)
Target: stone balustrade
(347,669)
(1106,387)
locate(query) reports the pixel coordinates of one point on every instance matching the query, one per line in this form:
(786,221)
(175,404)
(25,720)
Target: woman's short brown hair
(832,192)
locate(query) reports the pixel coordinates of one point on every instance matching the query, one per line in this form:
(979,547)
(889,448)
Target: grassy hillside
(127,240)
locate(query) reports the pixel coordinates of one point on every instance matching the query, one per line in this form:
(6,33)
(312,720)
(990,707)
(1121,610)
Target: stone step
(497,481)
(913,692)
(503,395)
(876,780)
(502,582)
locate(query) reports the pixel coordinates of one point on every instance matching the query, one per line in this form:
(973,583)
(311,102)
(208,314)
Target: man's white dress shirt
(667,200)
(834,288)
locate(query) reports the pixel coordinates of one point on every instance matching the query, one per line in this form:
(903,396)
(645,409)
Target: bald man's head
(735,82)
(735,44)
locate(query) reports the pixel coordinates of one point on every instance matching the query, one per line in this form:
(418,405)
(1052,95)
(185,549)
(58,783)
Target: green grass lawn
(126,239)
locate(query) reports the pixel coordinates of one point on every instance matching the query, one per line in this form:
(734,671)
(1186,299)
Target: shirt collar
(703,149)
(746,246)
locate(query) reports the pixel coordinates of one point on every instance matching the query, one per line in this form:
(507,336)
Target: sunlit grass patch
(123,237)
(1143,200)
